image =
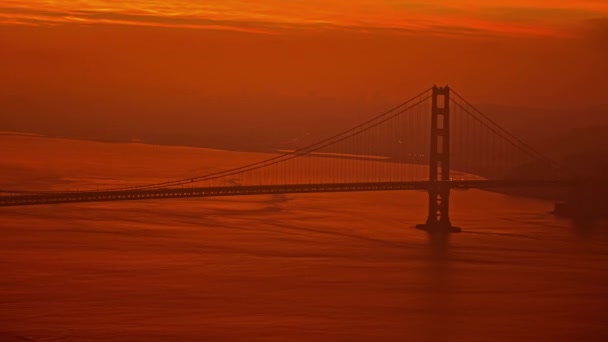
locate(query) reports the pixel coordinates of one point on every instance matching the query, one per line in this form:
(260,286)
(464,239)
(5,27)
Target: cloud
(464,18)
(30,16)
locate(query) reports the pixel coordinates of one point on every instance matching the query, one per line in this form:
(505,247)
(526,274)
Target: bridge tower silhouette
(439,165)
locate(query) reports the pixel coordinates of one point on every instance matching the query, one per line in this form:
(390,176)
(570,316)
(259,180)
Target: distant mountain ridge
(285,122)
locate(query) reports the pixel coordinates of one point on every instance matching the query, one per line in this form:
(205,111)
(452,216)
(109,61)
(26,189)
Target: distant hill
(557,132)
(262,123)
(585,150)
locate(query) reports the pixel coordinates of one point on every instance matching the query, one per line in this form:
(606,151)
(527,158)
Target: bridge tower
(439,166)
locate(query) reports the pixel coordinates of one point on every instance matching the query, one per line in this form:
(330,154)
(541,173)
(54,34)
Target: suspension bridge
(436,141)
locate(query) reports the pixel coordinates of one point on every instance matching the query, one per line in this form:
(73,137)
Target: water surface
(309,267)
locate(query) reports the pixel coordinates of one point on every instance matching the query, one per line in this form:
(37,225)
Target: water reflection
(438,289)
(439,244)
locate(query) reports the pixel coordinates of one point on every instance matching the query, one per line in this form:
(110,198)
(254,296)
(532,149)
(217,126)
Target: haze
(167,100)
(71,67)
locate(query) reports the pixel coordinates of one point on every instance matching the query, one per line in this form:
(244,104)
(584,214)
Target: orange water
(314,267)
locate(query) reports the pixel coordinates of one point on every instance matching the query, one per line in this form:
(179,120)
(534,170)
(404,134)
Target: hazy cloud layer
(439,17)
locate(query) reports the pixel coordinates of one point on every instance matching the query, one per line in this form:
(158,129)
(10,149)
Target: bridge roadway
(193,192)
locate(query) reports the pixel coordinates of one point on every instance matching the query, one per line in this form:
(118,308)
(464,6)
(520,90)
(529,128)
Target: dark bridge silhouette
(436,141)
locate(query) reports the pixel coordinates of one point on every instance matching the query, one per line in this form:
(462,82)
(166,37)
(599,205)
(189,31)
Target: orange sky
(461,17)
(85,60)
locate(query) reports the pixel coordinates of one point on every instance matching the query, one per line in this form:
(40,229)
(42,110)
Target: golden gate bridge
(436,141)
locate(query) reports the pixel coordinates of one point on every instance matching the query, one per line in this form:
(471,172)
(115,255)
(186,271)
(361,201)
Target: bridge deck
(168,193)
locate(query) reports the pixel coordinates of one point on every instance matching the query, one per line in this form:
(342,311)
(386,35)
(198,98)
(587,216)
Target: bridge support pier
(438,220)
